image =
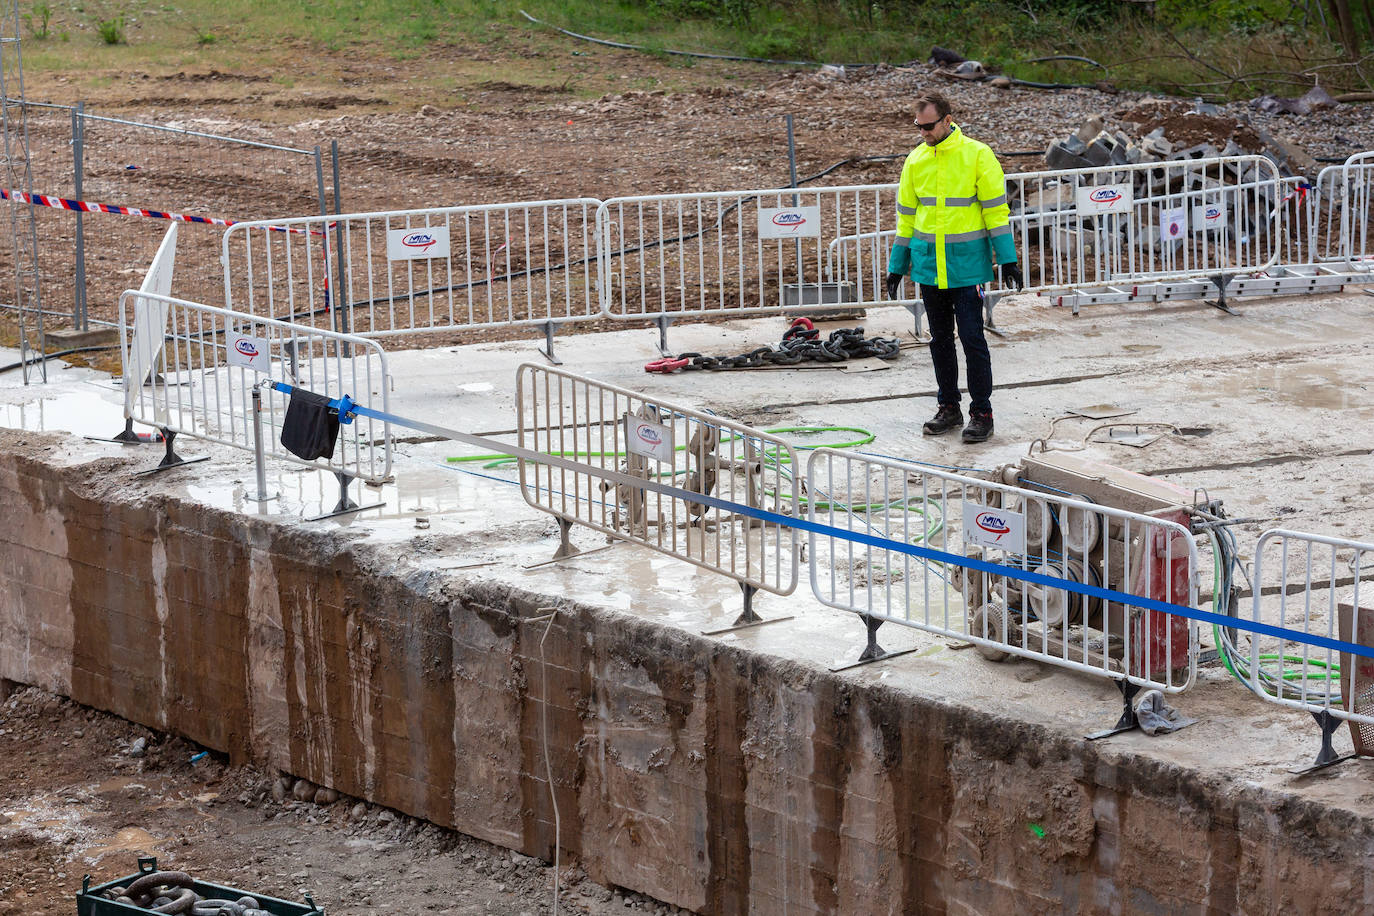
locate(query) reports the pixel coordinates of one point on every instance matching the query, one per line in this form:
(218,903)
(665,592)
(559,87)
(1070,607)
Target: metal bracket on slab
(550,329)
(128,437)
(989,301)
(662,321)
(566,549)
(872,652)
(1327,756)
(345,505)
(918,311)
(170,458)
(1221,281)
(747,619)
(1128,720)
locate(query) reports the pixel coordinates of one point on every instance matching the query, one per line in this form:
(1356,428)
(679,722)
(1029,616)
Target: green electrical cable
(1286,675)
(865,437)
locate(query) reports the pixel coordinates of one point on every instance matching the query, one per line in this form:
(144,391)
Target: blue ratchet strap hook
(344,407)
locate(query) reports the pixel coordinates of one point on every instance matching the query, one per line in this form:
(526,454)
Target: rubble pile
(1165,130)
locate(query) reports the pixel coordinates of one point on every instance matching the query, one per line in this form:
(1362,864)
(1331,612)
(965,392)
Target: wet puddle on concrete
(85,413)
(1314,385)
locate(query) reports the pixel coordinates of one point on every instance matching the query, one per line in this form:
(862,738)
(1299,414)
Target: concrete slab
(1270,411)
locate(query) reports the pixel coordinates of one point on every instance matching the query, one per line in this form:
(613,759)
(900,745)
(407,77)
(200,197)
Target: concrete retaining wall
(688,769)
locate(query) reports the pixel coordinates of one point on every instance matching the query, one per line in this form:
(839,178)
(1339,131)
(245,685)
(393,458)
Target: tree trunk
(1345,24)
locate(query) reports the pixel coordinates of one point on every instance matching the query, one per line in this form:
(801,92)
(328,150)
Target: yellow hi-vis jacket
(951,214)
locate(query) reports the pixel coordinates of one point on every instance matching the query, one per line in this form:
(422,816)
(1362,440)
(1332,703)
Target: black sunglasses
(931,125)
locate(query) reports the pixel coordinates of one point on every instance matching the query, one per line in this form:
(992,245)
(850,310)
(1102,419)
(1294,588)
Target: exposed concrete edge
(696,771)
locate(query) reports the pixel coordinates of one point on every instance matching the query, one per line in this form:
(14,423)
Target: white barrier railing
(190,369)
(807,249)
(613,429)
(416,271)
(1357,212)
(738,252)
(1020,548)
(1317,589)
(1150,221)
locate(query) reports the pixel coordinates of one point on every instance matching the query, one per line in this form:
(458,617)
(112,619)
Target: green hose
(865,437)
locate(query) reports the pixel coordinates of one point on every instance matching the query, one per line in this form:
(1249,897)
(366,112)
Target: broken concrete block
(1090,129)
(1200,151)
(1074,144)
(1058,157)
(1157,146)
(1286,154)
(1098,152)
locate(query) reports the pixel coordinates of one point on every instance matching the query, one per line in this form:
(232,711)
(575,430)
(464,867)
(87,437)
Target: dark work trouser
(961,306)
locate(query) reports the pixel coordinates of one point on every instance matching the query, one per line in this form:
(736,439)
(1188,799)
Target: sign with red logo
(412,244)
(247,351)
(652,440)
(1209,217)
(1109,198)
(789,223)
(986,526)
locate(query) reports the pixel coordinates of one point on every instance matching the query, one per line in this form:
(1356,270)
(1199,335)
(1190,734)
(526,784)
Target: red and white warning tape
(63,203)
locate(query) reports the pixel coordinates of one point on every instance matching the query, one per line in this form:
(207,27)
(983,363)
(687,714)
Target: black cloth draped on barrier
(310,428)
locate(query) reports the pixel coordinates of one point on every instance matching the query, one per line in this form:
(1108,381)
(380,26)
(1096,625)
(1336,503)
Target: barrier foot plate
(867,659)
(559,556)
(872,651)
(1128,720)
(127,437)
(746,624)
(167,466)
(550,329)
(350,508)
(1312,768)
(170,459)
(1327,756)
(662,321)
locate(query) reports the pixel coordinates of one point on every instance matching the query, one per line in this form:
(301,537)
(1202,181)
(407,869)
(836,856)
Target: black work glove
(1011,274)
(894,285)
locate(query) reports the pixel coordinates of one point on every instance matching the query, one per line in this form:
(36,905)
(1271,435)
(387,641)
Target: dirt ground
(82,792)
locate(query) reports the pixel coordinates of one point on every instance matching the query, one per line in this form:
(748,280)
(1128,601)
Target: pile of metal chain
(171,892)
(801,342)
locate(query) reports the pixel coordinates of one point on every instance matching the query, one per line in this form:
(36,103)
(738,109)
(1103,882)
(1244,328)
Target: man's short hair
(933,98)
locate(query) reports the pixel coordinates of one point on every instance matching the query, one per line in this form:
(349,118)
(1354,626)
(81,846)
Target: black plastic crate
(90,901)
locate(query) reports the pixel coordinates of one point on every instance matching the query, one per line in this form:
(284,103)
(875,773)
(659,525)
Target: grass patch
(1217,49)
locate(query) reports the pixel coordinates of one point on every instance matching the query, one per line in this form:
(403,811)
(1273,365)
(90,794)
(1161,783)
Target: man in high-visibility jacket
(951,228)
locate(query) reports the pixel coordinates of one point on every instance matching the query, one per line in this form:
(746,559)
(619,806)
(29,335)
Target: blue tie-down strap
(343,408)
(353,409)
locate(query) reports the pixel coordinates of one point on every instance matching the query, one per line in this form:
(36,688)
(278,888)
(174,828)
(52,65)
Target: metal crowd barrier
(604,427)
(1321,588)
(409,272)
(1357,209)
(190,369)
(674,256)
(998,560)
(1107,230)
(807,249)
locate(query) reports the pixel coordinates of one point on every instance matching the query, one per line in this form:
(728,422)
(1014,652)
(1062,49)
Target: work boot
(946,418)
(979,427)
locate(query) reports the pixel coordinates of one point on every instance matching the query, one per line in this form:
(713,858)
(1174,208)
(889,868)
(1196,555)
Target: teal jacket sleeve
(899,261)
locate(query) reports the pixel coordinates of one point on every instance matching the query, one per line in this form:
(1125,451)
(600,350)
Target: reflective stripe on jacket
(951,214)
